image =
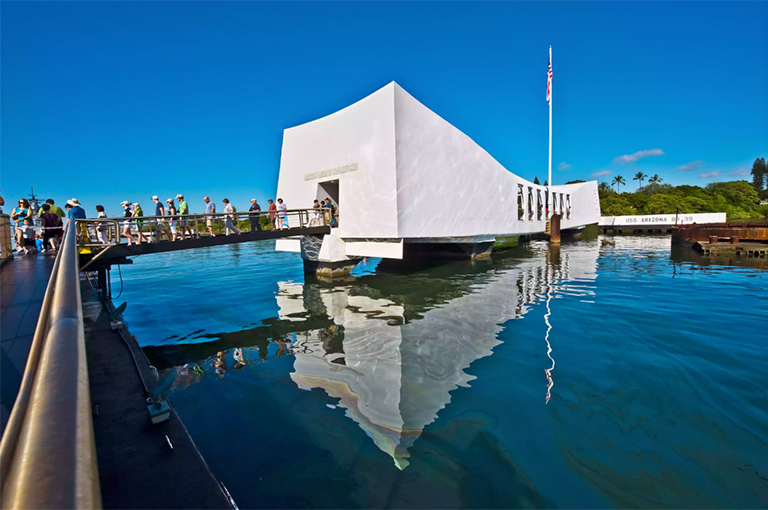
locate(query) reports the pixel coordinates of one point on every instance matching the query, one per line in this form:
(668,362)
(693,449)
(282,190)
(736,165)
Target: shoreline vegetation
(738,199)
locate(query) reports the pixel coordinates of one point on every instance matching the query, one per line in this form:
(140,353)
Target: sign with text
(333,171)
(652,220)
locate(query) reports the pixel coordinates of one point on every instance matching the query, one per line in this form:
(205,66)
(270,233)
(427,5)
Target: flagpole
(550,122)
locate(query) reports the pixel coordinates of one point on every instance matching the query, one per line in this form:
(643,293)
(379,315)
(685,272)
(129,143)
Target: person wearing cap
(254,218)
(160,221)
(127,213)
(172,217)
(184,212)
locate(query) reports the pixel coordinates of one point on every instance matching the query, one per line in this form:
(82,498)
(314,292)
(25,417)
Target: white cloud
(563,166)
(630,158)
(601,173)
(739,172)
(690,166)
(708,175)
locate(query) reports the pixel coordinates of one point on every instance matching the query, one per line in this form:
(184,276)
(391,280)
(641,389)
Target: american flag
(549,80)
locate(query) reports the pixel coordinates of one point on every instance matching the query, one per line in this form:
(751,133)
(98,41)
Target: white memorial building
(406,180)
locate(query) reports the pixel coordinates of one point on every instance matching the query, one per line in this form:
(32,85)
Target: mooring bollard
(734,240)
(713,239)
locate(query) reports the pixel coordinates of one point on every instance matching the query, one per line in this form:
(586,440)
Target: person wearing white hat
(76,211)
(127,213)
(160,221)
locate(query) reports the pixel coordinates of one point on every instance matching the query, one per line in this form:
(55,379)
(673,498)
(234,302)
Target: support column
(554,229)
(103,282)
(324,256)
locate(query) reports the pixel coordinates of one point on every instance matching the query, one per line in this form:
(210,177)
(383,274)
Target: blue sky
(108,101)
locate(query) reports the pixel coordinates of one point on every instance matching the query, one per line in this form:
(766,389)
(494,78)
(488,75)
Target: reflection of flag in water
(549,80)
(548,371)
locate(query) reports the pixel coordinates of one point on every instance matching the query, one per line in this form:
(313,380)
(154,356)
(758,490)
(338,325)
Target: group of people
(171,222)
(325,211)
(52,217)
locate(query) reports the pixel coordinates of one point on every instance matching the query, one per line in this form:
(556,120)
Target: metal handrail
(48,453)
(157,225)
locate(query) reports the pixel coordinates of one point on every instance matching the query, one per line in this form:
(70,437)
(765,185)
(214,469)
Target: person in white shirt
(282,218)
(28,237)
(229,210)
(102,231)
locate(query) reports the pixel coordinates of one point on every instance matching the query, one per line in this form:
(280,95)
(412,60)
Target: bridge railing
(47,453)
(104,232)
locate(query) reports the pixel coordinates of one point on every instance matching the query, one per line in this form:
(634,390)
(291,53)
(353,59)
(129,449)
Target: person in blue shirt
(76,211)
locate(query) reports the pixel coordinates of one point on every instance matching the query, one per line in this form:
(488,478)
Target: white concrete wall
(448,186)
(405,173)
(662,219)
(362,134)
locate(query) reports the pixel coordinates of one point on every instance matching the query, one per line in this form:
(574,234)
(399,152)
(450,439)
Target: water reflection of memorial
(391,346)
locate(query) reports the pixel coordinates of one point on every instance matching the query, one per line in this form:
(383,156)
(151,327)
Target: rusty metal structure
(756,232)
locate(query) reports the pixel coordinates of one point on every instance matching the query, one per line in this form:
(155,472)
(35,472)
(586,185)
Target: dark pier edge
(137,467)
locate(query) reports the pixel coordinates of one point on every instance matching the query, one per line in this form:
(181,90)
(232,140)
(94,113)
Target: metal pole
(550,120)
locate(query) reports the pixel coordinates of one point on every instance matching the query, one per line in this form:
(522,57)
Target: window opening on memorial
(538,204)
(546,203)
(562,207)
(530,203)
(568,206)
(520,200)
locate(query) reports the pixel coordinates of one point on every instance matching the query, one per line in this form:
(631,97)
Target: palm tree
(639,176)
(655,179)
(618,181)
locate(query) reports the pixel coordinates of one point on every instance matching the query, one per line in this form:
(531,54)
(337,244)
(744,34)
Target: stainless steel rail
(48,454)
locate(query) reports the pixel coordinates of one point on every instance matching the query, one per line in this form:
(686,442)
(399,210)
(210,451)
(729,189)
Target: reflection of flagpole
(548,372)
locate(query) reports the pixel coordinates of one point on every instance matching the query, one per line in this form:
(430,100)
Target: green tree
(577,181)
(618,181)
(639,176)
(758,174)
(738,199)
(604,190)
(617,205)
(535,180)
(655,179)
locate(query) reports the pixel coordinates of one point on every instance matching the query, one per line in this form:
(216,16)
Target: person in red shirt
(272,215)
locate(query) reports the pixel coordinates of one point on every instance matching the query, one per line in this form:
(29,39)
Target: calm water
(587,377)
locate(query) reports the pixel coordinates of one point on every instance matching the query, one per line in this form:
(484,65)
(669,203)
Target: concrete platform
(137,467)
(23,281)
